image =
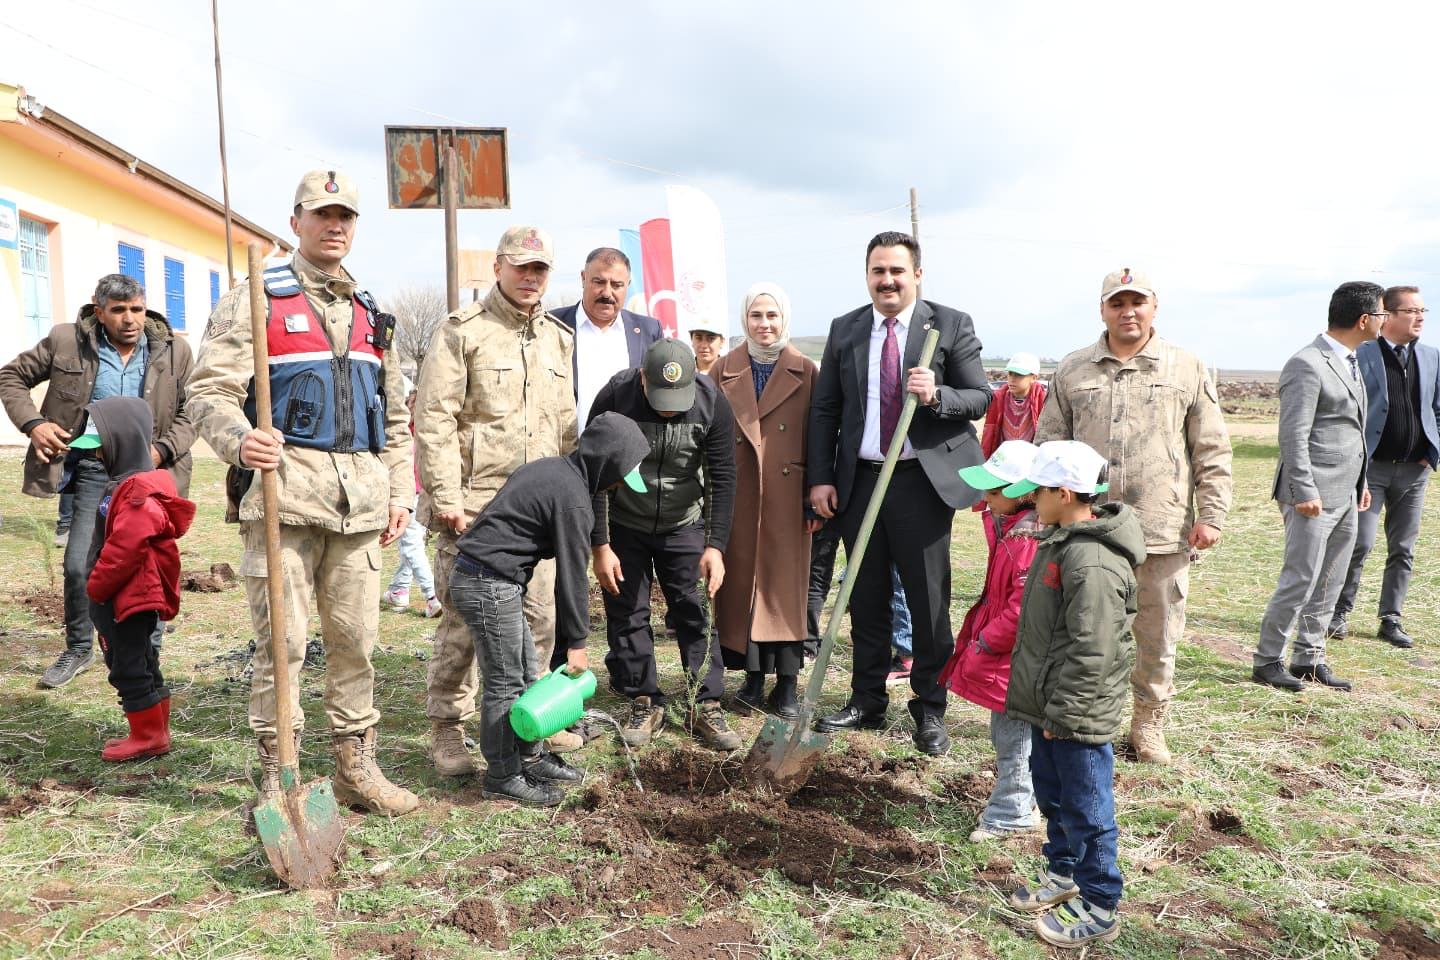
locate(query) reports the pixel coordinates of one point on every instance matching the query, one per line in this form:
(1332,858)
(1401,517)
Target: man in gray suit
(1318,481)
(1402,382)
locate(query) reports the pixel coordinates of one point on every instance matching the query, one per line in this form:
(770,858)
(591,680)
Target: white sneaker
(398,599)
(432,608)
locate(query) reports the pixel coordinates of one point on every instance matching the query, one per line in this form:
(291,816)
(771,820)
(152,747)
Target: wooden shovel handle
(270,498)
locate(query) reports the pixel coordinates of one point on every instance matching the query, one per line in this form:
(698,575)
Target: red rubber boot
(149,736)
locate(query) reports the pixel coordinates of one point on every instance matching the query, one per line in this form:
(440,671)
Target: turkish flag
(659,269)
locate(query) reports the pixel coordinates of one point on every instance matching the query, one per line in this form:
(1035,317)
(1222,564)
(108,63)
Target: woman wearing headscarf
(760,609)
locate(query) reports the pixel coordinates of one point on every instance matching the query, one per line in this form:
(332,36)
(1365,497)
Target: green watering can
(552,703)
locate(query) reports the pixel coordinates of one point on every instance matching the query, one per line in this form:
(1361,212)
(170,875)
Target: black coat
(943,438)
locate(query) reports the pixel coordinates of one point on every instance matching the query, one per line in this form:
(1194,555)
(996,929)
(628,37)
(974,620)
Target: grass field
(1290,826)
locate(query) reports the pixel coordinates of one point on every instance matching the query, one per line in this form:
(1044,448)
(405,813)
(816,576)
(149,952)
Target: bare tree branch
(418,314)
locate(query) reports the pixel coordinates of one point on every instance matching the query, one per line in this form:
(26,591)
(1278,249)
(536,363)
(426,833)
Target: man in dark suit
(1402,382)
(857,401)
(1318,481)
(608,338)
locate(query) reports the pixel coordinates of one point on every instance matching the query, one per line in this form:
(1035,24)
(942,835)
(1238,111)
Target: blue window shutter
(214,288)
(175,293)
(132,262)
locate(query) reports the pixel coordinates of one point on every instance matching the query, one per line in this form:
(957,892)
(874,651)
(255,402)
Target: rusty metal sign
(414,157)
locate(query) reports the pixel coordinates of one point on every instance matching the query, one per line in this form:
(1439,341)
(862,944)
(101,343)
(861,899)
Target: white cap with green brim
(89,438)
(634,481)
(1062,463)
(1025,364)
(1008,464)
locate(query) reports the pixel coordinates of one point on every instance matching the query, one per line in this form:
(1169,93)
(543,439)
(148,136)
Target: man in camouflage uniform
(344,473)
(495,392)
(1150,408)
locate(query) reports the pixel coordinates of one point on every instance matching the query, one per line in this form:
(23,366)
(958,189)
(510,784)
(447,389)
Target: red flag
(659,273)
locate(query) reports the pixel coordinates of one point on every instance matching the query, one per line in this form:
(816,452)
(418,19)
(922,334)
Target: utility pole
(915,226)
(224,167)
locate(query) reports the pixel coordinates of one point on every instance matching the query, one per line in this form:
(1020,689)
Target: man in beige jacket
(496,391)
(340,449)
(1150,408)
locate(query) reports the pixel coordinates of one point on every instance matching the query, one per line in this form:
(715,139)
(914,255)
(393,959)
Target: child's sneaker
(398,599)
(432,607)
(900,668)
(1076,924)
(1043,892)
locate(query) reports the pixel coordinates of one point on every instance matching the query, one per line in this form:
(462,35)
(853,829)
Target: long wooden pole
(915,226)
(224,165)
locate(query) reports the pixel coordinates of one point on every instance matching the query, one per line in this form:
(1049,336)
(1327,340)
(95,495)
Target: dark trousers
(823,545)
(674,558)
(494,610)
(1399,490)
(1074,788)
(134,662)
(912,534)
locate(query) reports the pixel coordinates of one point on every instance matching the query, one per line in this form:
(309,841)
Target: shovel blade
(785,753)
(302,833)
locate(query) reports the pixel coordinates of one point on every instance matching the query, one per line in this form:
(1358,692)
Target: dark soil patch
(220,577)
(1227,647)
(1404,941)
(44,606)
(1295,784)
(483,919)
(967,788)
(729,939)
(21,804)
(400,946)
(832,832)
(1221,827)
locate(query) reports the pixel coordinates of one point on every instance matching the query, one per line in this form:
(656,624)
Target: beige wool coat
(767,561)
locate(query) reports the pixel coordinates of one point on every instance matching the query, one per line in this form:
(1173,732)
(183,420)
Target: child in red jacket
(979,670)
(134,568)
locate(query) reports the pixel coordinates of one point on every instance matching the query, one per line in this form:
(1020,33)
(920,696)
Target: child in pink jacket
(979,670)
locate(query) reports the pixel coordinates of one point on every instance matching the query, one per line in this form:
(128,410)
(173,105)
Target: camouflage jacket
(1157,418)
(495,391)
(344,492)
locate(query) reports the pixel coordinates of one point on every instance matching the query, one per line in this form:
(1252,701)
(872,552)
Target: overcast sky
(1250,156)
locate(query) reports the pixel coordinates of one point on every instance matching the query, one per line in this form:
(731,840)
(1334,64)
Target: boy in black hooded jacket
(543,511)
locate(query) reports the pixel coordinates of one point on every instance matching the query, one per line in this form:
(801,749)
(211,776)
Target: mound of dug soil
(695,834)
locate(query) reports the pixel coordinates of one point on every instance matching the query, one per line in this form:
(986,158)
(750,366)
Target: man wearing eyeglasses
(1402,383)
(1318,481)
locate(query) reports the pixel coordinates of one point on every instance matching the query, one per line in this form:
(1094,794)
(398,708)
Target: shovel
(301,827)
(785,753)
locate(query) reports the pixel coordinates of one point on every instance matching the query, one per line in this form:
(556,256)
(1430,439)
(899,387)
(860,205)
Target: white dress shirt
(600,353)
(1344,353)
(870,439)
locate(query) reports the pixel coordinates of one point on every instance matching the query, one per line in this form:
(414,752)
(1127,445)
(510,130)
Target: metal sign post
(448,168)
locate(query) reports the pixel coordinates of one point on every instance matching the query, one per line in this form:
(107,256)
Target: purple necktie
(889,385)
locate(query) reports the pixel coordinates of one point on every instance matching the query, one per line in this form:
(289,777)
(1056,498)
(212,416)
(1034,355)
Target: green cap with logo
(323,188)
(522,244)
(670,376)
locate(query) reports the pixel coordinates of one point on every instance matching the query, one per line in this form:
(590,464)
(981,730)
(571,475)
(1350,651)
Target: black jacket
(544,511)
(688,471)
(943,438)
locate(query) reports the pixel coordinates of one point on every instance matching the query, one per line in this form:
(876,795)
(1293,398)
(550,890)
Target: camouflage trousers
(451,680)
(1163,581)
(339,575)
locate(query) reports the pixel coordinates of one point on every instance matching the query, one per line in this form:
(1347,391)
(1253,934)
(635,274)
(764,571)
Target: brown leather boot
(447,749)
(1147,733)
(267,748)
(359,782)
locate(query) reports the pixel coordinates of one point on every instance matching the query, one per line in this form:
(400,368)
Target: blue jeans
(900,609)
(1074,785)
(494,611)
(87,482)
(1013,799)
(413,561)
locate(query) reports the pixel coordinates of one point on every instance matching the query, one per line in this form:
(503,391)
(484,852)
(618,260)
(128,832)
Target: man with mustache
(116,348)
(496,391)
(608,338)
(871,361)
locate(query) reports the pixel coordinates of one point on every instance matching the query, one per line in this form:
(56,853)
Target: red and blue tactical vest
(319,399)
